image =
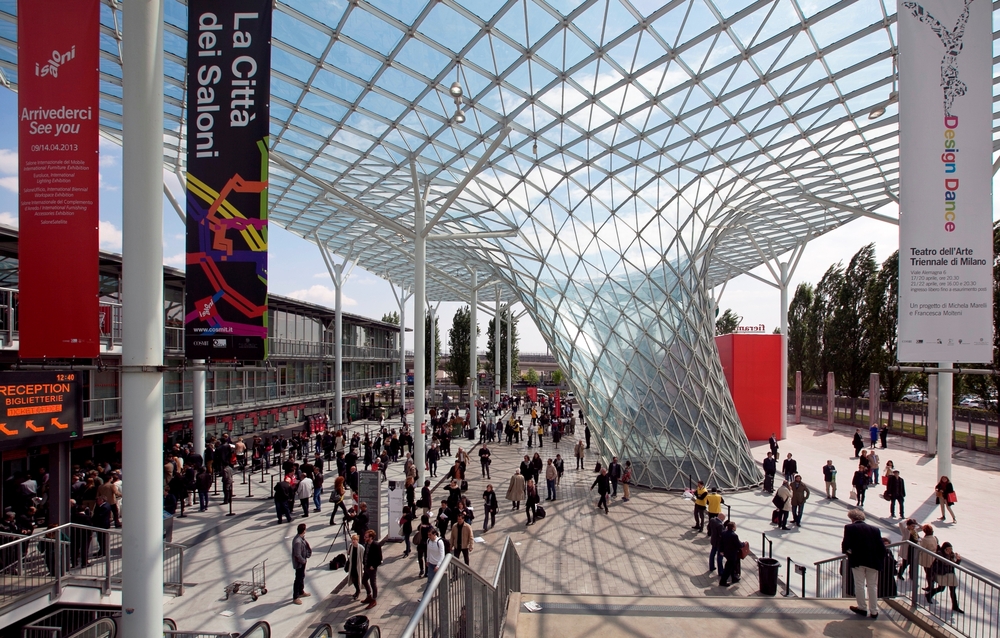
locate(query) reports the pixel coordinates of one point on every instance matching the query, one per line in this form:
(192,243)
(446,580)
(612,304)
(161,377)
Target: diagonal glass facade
(655,150)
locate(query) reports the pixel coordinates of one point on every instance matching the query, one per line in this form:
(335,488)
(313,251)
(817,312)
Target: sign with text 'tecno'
(41,407)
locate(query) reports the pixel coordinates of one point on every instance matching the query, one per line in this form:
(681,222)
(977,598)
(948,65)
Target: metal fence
(458,601)
(939,595)
(65,622)
(972,428)
(72,554)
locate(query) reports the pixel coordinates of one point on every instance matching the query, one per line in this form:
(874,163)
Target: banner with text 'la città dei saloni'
(229,71)
(946,210)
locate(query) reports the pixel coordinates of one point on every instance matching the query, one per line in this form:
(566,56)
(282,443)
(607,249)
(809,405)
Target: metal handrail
(440,575)
(981,595)
(323,631)
(373,632)
(102,628)
(261,629)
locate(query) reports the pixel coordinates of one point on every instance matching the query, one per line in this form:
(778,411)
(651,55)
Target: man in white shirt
(435,552)
(304,492)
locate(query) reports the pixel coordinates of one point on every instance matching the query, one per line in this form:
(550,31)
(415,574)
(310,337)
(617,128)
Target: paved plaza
(643,548)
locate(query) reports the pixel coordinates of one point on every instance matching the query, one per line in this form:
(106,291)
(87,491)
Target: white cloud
(8,219)
(102,185)
(321,295)
(8,161)
(107,160)
(110,236)
(321,275)
(10,183)
(177,261)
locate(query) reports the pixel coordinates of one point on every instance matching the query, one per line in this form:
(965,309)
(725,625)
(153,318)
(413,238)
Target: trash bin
(768,576)
(356,626)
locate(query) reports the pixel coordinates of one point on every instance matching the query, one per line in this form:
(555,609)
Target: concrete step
(568,616)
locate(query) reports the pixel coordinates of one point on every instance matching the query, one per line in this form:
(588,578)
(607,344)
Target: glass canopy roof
(641,133)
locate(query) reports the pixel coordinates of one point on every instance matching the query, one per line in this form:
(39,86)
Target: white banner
(397,493)
(946,204)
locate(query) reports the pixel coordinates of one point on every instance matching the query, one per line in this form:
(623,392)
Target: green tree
(531,377)
(987,388)
(428,366)
(883,318)
(728,322)
(391,317)
(803,342)
(852,340)
(825,295)
(505,370)
(458,343)
(557,376)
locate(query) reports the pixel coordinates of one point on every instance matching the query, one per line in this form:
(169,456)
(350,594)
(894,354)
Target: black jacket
(896,487)
(373,555)
(730,545)
(715,529)
(770,466)
(863,545)
(490,501)
(602,483)
(789,466)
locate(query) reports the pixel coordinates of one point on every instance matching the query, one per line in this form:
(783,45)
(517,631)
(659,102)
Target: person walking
(406,528)
(435,553)
(560,468)
(715,529)
(830,479)
(896,490)
(484,460)
(783,502)
(461,538)
(515,491)
(730,546)
(490,507)
(700,506)
(614,473)
(579,452)
(770,469)
(943,570)
(373,560)
(800,494)
(865,554)
(860,484)
(627,481)
(857,442)
(925,559)
(944,491)
(550,480)
(603,485)
(355,565)
(531,502)
(420,538)
(300,555)
(304,492)
(789,467)
(317,479)
(586,434)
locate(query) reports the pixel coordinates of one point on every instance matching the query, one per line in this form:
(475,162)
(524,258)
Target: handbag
(886,496)
(465,485)
(744,550)
(885,480)
(854,494)
(952,498)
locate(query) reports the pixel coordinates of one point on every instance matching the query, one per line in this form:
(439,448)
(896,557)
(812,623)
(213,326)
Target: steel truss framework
(656,150)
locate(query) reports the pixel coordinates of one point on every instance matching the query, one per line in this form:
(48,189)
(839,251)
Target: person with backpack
(435,552)
(406,528)
(283,495)
(532,500)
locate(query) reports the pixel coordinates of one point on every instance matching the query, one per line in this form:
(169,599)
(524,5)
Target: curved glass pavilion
(655,150)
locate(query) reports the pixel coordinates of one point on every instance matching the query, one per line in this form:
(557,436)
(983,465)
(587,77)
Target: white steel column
(510,360)
(496,350)
(932,414)
(944,421)
(783,288)
(433,346)
(338,345)
(473,357)
(142,332)
(401,299)
(419,328)
(199,378)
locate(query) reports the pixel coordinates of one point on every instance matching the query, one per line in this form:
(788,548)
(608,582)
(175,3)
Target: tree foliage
(557,376)
(803,355)
(531,377)
(727,322)
(458,343)
(505,370)
(391,317)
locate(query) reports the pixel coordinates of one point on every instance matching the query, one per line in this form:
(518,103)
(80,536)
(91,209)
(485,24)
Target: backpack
(447,546)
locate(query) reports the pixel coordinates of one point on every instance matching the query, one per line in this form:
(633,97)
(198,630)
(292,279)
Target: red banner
(533,394)
(58,110)
(558,405)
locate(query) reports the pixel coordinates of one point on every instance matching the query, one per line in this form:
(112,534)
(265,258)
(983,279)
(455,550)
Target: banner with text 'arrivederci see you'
(946,210)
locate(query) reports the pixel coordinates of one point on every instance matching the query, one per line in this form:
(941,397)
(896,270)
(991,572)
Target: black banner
(229,71)
(40,408)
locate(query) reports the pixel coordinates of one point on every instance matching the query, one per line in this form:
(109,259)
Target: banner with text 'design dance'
(945,156)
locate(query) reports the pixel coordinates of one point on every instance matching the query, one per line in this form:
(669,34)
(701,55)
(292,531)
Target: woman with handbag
(925,559)
(946,497)
(944,576)
(337,498)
